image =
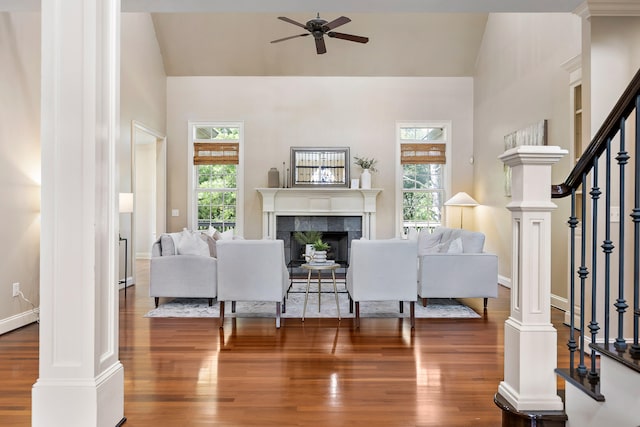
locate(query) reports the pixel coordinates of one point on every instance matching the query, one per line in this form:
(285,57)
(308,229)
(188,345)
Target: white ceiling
(407,37)
(374,6)
(401,44)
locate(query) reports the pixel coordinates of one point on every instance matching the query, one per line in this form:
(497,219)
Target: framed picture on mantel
(320,166)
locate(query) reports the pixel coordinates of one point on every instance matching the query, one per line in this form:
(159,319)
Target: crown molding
(608,8)
(572,64)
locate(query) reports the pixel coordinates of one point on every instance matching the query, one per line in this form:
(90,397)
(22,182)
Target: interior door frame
(161,183)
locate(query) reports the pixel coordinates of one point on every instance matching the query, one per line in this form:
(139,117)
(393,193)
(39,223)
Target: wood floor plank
(188,372)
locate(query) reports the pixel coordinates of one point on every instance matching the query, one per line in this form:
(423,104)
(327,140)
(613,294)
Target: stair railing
(586,178)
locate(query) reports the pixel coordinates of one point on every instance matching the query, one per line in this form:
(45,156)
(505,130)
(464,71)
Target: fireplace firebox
(338,231)
(338,246)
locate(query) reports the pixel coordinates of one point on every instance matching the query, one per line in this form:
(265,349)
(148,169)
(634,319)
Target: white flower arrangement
(365,163)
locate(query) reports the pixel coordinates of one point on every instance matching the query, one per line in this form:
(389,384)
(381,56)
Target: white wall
(280,112)
(19,165)
(142,98)
(614,60)
(519,81)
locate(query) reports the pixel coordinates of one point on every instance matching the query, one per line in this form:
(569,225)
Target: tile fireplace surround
(318,202)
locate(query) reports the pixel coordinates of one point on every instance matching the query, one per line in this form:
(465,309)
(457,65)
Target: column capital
(533,155)
(591,8)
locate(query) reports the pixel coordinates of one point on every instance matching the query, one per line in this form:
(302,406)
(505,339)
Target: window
(423,176)
(215,176)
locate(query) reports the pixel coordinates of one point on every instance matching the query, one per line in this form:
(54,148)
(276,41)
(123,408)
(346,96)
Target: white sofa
(383,270)
(452,264)
(187,270)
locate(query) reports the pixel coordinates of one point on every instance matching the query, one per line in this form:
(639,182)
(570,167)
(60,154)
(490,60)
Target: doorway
(148,159)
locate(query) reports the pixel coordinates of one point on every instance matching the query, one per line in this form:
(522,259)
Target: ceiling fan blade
(336,23)
(291,21)
(320,46)
(288,38)
(349,37)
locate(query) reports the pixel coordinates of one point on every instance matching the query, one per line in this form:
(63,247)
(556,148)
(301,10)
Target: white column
(268,212)
(369,216)
(530,339)
(81,380)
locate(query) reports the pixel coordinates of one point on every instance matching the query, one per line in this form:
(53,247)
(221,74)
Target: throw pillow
(211,243)
(473,242)
(213,232)
(442,248)
(227,235)
(455,247)
(428,242)
(167,245)
(191,244)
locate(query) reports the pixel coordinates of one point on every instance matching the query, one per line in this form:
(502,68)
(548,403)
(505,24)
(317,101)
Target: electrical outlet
(16,289)
(615,214)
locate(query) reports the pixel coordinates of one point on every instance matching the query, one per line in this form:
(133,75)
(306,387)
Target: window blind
(215,153)
(412,154)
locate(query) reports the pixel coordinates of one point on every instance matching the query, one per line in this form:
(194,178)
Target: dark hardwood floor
(188,372)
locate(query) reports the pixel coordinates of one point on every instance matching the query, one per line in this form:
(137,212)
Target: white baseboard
(19,320)
(143,255)
(130,282)
(559,302)
(504,281)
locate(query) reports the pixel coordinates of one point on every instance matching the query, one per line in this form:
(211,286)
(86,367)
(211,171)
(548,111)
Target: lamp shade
(461,199)
(126,203)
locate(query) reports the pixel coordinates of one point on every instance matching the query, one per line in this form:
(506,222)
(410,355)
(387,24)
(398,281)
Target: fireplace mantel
(320,202)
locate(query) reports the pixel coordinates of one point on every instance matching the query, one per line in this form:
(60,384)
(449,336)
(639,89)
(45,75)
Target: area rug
(199,307)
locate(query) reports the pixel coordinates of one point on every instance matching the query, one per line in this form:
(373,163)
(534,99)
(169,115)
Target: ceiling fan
(318,27)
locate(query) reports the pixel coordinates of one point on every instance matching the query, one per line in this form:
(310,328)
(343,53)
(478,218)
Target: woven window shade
(413,154)
(214,153)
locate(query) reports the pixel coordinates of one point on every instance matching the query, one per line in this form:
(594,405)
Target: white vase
(365,179)
(320,256)
(308,250)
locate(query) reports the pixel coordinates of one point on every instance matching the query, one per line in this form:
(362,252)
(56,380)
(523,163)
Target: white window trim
(447,167)
(192,219)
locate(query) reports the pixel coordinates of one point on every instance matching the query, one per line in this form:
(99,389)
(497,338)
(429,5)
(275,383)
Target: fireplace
(332,204)
(338,231)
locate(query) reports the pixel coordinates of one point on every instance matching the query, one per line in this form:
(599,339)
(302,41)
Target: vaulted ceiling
(406,37)
(400,44)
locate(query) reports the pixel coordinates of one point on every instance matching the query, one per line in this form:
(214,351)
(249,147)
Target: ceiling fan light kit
(318,28)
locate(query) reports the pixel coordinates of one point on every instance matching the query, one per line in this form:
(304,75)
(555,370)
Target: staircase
(603,379)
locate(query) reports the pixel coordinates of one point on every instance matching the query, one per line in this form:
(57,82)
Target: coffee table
(320,267)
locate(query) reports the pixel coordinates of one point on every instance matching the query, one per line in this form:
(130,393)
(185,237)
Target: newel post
(530,340)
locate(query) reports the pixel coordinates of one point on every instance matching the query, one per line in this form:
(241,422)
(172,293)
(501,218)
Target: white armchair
(383,270)
(251,270)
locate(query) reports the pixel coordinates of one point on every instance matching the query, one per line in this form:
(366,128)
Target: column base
(80,401)
(511,417)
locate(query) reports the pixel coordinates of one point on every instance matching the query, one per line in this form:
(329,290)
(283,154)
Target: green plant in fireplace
(307,237)
(319,245)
